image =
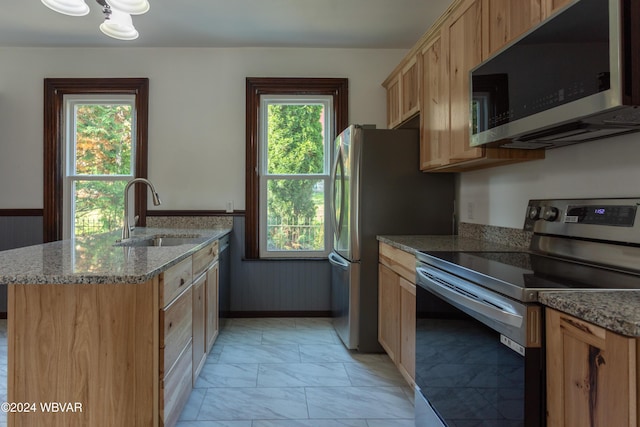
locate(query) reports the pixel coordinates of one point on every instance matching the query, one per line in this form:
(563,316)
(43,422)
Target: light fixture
(118,25)
(132,7)
(117,14)
(68,7)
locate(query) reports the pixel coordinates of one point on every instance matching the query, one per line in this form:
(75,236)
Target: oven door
(470,370)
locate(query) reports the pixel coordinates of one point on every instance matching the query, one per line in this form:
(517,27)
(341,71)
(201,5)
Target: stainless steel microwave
(573,78)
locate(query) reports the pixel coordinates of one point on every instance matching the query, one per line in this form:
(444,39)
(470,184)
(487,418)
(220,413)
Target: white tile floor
(295,373)
(286,373)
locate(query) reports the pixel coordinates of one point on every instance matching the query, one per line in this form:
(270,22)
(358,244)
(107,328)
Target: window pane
(99,206)
(103,139)
(295,140)
(295,215)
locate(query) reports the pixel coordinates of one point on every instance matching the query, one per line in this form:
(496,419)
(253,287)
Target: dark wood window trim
(54,91)
(257,86)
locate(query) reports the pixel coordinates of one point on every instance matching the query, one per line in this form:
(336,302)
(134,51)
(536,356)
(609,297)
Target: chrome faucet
(126,230)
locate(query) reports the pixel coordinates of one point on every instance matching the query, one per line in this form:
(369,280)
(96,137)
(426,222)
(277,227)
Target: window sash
(265,177)
(69,148)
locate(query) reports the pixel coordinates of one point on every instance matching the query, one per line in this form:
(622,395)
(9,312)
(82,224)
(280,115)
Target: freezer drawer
(345,297)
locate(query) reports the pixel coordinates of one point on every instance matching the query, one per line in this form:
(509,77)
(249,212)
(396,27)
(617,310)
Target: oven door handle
(471,296)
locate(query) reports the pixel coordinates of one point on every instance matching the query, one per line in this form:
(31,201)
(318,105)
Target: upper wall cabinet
(434,115)
(504,20)
(550,6)
(403,92)
(445,55)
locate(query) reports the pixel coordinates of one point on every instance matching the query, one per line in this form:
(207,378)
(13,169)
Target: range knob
(550,213)
(534,213)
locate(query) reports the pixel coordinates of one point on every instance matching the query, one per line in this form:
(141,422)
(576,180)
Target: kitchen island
(101,334)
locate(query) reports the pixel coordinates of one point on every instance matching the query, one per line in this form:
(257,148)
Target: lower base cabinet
(592,374)
(175,388)
(199,338)
(127,354)
(397,308)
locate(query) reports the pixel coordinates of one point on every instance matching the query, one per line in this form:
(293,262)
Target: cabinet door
(199,340)
(434,115)
(410,87)
(463,35)
(505,20)
(388,311)
(212,305)
(393,101)
(549,7)
(407,363)
(591,374)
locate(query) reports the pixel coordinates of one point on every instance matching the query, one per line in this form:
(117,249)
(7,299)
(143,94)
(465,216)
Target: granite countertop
(413,244)
(617,311)
(97,260)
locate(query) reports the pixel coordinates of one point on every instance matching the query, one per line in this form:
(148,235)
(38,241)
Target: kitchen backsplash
(504,235)
(190,221)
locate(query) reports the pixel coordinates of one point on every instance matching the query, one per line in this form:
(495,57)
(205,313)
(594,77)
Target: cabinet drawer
(399,261)
(175,327)
(175,389)
(204,257)
(174,281)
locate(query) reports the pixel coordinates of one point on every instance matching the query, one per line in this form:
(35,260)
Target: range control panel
(602,219)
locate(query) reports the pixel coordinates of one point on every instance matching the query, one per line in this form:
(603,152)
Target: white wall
(604,168)
(196,112)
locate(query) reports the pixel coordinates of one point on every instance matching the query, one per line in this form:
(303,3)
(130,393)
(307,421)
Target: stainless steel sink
(161,241)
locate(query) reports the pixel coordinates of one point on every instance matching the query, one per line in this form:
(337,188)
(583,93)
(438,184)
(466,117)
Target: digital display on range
(621,216)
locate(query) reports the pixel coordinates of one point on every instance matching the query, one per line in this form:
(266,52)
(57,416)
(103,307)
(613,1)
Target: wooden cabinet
(403,92)
(407,362)
(175,357)
(199,322)
(392,85)
(389,311)
(463,40)
(212,304)
(397,308)
(591,374)
(127,352)
(466,34)
(504,20)
(434,114)
(549,7)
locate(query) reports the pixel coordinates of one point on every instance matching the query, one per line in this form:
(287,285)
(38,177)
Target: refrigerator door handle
(338,261)
(337,222)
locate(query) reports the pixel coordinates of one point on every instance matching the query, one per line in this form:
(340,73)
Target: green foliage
(103,147)
(295,146)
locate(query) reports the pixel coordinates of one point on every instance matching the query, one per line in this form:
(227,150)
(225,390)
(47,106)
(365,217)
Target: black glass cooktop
(521,274)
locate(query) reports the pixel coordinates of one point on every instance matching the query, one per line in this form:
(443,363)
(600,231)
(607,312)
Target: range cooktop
(521,275)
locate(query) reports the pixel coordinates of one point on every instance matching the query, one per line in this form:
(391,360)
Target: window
(60,93)
(286,189)
(99,154)
(294,166)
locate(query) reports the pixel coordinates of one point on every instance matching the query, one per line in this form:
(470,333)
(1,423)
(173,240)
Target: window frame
(265,176)
(255,88)
(54,130)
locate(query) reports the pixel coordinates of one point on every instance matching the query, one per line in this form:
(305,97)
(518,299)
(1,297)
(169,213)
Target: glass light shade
(68,7)
(132,7)
(119,26)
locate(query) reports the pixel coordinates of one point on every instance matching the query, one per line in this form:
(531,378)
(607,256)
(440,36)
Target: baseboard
(246,314)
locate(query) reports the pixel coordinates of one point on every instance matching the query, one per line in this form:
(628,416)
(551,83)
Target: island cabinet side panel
(93,349)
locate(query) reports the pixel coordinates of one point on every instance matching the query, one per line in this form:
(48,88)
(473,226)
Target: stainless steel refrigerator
(377,188)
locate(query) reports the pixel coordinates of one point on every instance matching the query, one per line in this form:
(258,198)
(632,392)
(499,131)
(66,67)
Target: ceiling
(373,24)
